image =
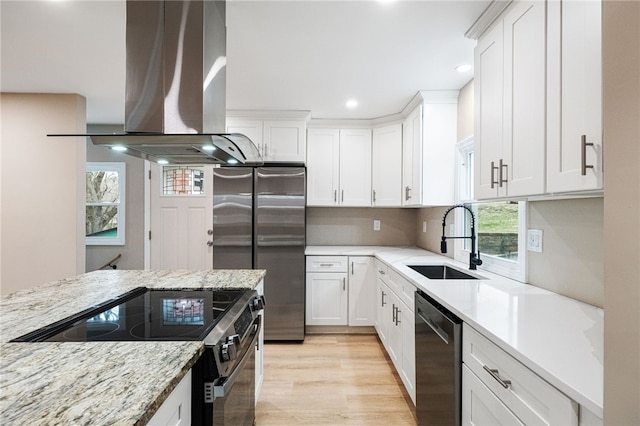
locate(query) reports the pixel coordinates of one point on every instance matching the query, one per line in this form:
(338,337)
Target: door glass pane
(182,180)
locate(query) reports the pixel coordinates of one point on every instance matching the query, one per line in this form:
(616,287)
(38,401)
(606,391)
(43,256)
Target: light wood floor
(332,380)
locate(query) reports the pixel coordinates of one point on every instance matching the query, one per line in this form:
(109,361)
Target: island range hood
(175,101)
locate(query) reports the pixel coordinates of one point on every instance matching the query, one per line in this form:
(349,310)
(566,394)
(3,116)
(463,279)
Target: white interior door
(180,224)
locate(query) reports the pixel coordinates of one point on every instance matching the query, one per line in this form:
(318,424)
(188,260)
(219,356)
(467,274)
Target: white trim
(120,168)
(147,214)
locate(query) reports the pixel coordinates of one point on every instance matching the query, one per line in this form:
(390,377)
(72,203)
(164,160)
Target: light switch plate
(424,226)
(534,240)
(376,225)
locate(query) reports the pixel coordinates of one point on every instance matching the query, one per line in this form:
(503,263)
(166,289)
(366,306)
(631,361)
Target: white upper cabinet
(278,139)
(412,158)
(574,97)
(323,167)
(428,149)
(284,141)
(339,167)
(510,104)
(386,173)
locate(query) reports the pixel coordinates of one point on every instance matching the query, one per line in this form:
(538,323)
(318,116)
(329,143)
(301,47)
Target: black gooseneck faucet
(474,259)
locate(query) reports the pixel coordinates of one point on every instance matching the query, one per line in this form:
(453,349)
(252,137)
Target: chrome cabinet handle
(500,179)
(381,272)
(493,181)
(383,296)
(342,197)
(344,284)
(407,193)
(585,144)
(352,268)
(494,373)
(335,195)
(393,312)
(398,312)
(374,195)
(326,265)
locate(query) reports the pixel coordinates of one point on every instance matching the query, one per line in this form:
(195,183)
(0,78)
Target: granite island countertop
(559,338)
(97,383)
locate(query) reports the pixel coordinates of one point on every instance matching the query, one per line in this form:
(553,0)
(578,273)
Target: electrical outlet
(376,225)
(424,226)
(534,240)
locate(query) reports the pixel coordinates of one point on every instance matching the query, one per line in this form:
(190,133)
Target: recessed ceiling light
(351,103)
(163,162)
(209,148)
(463,68)
(119,148)
(232,161)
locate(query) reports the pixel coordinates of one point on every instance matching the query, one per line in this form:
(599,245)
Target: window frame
(120,168)
(516,270)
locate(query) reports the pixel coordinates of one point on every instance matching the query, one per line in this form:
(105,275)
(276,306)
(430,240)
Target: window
(105,210)
(182,180)
(500,225)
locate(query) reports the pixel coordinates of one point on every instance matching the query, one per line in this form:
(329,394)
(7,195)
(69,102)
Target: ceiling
(282,55)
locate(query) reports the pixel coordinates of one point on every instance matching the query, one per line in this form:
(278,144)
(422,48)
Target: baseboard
(339,329)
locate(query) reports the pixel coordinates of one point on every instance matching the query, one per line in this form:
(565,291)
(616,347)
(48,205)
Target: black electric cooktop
(143,314)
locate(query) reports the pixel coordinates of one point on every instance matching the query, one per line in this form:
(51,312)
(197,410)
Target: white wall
(621,96)
(42,189)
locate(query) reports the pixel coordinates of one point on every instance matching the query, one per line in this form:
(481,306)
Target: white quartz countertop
(560,339)
(94,383)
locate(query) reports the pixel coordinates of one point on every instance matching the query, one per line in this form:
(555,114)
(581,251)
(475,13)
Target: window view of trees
(497,228)
(103,198)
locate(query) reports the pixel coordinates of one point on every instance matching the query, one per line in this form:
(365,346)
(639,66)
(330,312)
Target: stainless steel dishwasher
(438,363)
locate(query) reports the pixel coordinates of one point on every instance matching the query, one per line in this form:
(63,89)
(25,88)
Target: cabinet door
(394,338)
(386,173)
(408,371)
(250,128)
(284,141)
(523,151)
(488,86)
(412,158)
(383,318)
(480,406)
(362,287)
(323,162)
(574,104)
(326,299)
(355,167)
(176,409)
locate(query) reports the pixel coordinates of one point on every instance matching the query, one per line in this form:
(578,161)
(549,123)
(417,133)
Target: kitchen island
(97,383)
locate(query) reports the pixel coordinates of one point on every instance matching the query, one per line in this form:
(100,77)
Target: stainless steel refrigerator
(259,223)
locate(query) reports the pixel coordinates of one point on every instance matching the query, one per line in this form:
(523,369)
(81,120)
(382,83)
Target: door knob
(210,243)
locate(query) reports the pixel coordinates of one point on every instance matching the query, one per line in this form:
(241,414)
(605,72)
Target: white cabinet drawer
(403,288)
(529,397)
(382,271)
(480,406)
(327,263)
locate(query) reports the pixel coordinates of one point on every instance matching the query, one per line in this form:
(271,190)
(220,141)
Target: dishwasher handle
(440,332)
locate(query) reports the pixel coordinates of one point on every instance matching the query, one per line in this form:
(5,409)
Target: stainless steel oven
(227,321)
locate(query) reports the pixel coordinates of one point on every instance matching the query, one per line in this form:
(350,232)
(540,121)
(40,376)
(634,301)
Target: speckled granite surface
(97,383)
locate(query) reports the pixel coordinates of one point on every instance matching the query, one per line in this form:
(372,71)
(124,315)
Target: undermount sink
(441,272)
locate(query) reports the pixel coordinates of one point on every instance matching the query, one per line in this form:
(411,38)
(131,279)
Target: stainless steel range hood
(176,86)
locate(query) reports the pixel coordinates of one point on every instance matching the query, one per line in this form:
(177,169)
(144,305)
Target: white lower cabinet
(395,323)
(259,347)
(497,389)
(327,298)
(340,290)
(176,409)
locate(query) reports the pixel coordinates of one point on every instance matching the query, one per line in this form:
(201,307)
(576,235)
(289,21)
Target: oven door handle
(222,385)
